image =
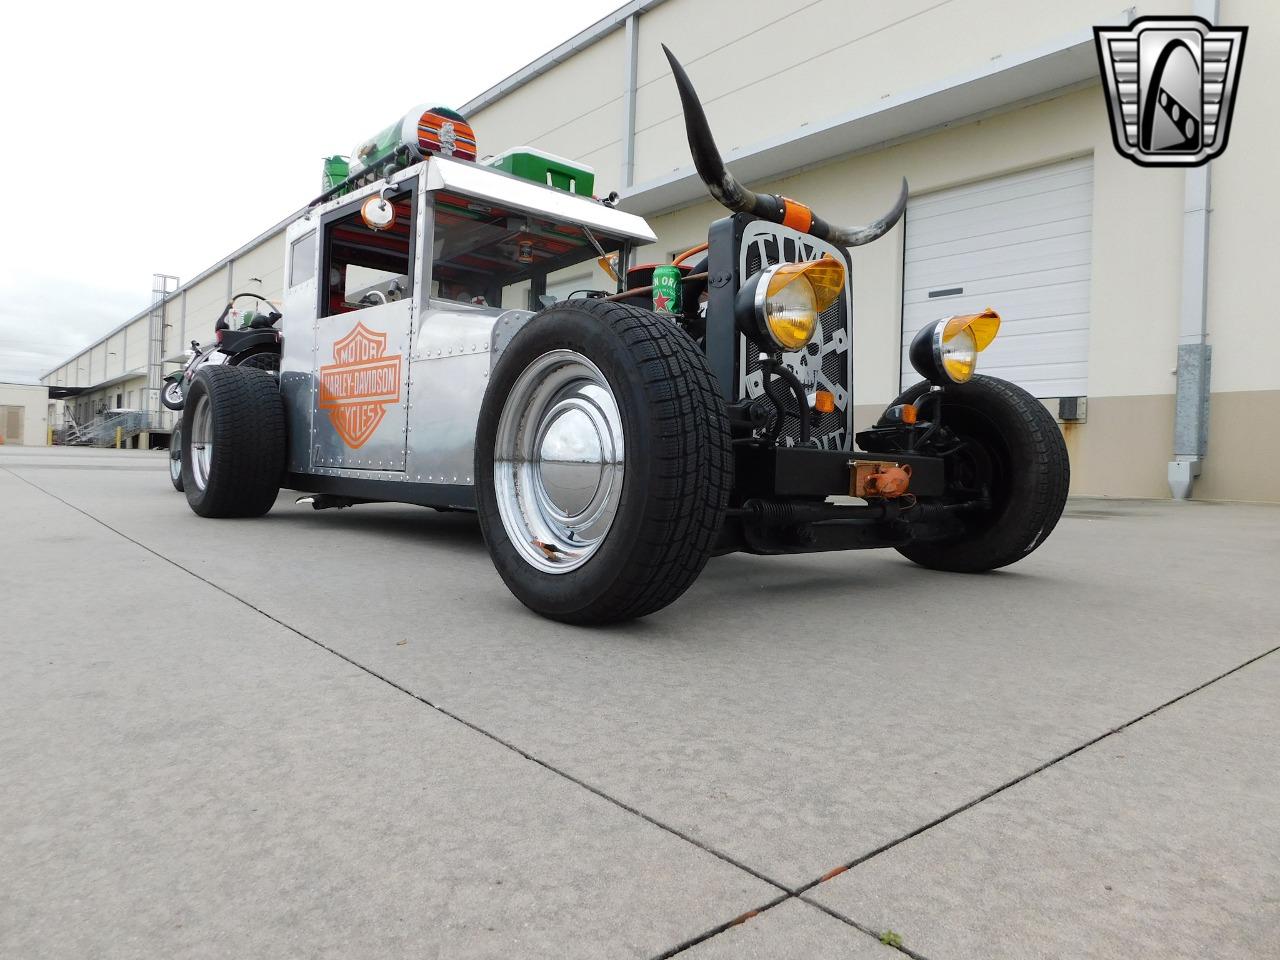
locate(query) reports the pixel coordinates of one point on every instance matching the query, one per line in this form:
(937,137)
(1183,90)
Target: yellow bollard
(119,432)
(50,443)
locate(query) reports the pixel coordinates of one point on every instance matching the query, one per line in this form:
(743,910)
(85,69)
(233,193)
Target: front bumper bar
(805,472)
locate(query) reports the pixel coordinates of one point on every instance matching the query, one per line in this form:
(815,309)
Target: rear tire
(175,457)
(233,442)
(603,464)
(1029,475)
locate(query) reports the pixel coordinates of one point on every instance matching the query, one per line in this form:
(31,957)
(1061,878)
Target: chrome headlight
(778,307)
(946,351)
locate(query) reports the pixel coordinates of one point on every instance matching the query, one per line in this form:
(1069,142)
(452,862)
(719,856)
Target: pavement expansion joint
(800,892)
(805,888)
(753,914)
(721,928)
(836,914)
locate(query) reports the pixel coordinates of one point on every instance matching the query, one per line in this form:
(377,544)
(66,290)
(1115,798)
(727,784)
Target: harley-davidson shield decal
(357,387)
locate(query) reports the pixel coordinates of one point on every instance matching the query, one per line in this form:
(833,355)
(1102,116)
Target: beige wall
(574,110)
(34,401)
(85,405)
(772,67)
(135,354)
(1244,251)
(205,301)
(174,341)
(1242,463)
(765,67)
(264,262)
(64,376)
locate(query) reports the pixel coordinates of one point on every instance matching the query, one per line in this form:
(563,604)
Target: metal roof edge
(575,44)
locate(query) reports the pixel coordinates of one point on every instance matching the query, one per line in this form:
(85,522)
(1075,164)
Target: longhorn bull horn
(724,186)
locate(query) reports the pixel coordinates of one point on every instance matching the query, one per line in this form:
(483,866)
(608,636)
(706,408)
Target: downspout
(631,40)
(632,43)
(1191,400)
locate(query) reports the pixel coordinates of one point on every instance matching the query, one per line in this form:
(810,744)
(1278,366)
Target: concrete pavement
(332,733)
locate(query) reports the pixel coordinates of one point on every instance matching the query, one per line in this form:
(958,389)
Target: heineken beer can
(666,289)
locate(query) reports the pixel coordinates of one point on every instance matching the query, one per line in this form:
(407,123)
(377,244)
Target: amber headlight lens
(947,349)
(779,307)
(958,355)
(790,312)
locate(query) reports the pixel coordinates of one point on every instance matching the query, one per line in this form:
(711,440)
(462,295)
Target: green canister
(336,169)
(666,289)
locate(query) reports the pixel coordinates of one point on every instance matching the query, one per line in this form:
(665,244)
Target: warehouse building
(1132,297)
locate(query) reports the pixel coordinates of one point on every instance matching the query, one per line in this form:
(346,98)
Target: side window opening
(368,267)
(561,287)
(302,259)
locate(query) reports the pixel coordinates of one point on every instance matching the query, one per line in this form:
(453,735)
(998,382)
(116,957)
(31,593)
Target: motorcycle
(255,344)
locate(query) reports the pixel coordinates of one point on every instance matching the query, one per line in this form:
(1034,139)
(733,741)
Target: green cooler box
(529,163)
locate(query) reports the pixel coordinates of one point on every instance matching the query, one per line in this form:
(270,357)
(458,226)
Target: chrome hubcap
(559,461)
(201,441)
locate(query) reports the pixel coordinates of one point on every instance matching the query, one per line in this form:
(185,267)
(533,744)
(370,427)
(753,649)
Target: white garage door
(1022,245)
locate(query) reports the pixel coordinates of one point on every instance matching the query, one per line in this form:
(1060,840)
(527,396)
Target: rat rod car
(611,442)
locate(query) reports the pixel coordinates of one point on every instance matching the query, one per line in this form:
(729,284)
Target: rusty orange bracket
(879,478)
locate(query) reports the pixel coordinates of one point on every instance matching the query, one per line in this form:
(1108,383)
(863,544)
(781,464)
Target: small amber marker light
(909,413)
(824,402)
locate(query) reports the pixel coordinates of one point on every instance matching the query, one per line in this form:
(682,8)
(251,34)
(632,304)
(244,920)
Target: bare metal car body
(421,450)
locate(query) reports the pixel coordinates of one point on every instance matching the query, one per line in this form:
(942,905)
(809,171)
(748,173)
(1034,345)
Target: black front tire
(679,464)
(240,411)
(1023,459)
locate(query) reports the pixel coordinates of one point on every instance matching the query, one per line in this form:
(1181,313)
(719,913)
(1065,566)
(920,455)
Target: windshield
(493,256)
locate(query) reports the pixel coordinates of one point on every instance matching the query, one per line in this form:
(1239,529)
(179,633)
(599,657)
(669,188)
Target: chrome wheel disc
(175,455)
(201,441)
(559,461)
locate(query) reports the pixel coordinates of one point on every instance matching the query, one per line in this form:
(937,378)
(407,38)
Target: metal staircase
(101,431)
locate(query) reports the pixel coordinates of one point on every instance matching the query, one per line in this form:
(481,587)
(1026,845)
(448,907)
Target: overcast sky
(145,138)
